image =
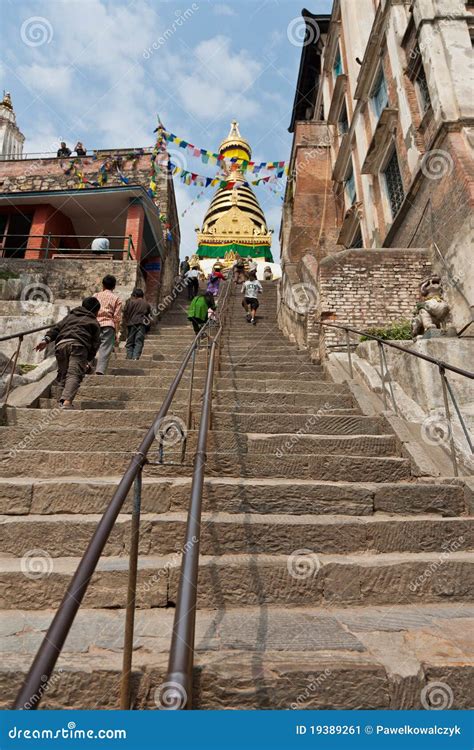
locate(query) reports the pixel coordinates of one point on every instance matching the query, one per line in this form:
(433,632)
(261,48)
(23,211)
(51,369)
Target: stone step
(23,495)
(296,424)
(44,463)
(241,374)
(93,439)
(326,399)
(367,657)
(243,580)
(235,382)
(67,535)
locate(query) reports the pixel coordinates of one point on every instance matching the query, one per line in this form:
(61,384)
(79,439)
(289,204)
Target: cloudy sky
(99,71)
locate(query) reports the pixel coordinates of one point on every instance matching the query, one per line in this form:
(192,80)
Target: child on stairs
(251,289)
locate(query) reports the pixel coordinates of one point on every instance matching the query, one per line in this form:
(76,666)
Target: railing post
(458,412)
(389,378)
(125,684)
(448,420)
(190,412)
(48,245)
(348,342)
(382,376)
(15,360)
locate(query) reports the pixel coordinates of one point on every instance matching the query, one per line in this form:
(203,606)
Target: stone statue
(267,273)
(432,312)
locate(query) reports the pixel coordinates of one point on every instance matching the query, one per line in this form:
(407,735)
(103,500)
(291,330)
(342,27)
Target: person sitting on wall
(77,339)
(63,151)
(100,244)
(80,150)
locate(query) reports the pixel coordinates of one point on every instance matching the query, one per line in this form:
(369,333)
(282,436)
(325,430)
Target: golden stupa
(234,224)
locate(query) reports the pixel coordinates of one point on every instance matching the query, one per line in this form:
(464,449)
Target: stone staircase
(330,577)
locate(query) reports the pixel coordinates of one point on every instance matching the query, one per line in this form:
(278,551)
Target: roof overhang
(92,210)
(310,65)
(337,99)
(350,224)
(342,162)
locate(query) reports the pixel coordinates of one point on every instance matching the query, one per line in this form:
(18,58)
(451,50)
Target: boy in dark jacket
(136,315)
(77,339)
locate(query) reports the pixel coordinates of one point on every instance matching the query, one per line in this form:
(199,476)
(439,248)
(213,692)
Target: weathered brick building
(52,208)
(382,158)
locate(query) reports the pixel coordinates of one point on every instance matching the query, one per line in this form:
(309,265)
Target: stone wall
(366,288)
(65,279)
(362,288)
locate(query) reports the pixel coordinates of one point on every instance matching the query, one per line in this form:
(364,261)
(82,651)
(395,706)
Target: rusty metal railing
(37,679)
(44,662)
(385,378)
(14,357)
(177,689)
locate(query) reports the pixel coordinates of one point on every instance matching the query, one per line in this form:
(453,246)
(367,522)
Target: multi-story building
(382,154)
(52,208)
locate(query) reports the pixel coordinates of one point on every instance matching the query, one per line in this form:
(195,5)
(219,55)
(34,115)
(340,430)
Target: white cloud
(53,80)
(220,9)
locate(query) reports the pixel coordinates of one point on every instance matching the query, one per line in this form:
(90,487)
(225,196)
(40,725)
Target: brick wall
(367,288)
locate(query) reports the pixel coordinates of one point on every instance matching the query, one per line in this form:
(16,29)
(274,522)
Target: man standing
(192,279)
(109,319)
(184,267)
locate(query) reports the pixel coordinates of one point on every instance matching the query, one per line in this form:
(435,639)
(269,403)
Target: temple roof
(234,141)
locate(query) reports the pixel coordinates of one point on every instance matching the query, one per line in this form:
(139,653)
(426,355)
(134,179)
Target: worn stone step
(249,579)
(22,495)
(327,399)
(44,463)
(221,384)
(309,659)
(241,375)
(90,439)
(296,424)
(65,535)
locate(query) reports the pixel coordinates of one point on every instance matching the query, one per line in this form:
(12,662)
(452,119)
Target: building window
(343,122)
(357,241)
(422,89)
(394,183)
(337,67)
(379,96)
(351,187)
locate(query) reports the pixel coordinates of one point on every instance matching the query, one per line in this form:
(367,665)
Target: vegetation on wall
(397,331)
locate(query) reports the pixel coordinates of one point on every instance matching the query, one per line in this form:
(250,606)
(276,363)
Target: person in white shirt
(251,289)
(192,279)
(100,244)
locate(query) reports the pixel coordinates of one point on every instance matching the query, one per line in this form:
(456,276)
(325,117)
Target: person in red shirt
(109,319)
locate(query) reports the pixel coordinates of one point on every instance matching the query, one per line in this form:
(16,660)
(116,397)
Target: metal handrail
(385,377)
(14,357)
(51,236)
(47,655)
(177,688)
